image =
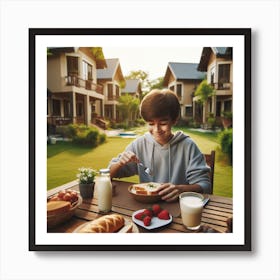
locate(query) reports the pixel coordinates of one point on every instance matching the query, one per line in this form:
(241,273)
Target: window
(48,107)
(67,108)
(110,91)
(93,108)
(80,109)
(117,91)
(72,65)
(227,106)
(218,108)
(179,91)
(56,107)
(212,75)
(87,71)
(172,88)
(188,111)
(224,74)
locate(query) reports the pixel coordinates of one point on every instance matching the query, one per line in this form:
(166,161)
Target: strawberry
(163,215)
(140,216)
(147,221)
(148,212)
(156,209)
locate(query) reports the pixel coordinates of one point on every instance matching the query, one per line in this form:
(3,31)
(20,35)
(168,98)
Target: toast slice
(146,189)
(58,207)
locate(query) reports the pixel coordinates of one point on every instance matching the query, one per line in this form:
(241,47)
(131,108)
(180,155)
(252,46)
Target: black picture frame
(35,33)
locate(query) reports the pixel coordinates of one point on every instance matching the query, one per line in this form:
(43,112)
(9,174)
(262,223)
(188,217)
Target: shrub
(192,123)
(85,136)
(102,138)
(182,122)
(211,120)
(225,138)
(91,138)
(71,131)
(140,122)
(227,114)
(123,125)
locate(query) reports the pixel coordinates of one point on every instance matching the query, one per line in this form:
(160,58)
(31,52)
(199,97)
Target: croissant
(104,224)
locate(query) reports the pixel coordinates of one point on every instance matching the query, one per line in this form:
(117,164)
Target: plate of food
(61,207)
(152,218)
(111,223)
(145,192)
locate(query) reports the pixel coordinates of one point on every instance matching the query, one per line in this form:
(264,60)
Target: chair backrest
(210,160)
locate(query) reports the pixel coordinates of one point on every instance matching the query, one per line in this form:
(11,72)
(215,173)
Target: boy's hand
(127,157)
(169,192)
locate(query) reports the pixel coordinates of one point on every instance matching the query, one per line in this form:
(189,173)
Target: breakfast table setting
(132,212)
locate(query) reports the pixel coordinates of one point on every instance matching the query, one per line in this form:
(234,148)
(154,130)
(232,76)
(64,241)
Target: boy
(173,158)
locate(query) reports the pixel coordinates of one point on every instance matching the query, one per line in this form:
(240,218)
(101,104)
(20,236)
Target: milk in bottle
(104,191)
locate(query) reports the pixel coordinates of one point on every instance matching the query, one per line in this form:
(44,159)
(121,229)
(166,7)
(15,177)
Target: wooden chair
(210,160)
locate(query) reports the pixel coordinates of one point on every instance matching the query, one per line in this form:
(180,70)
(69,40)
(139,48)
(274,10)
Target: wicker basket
(54,220)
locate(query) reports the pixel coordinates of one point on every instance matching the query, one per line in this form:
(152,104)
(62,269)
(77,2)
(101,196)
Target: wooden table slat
(221,214)
(226,207)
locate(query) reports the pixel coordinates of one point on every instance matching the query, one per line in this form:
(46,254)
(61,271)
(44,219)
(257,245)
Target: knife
(205,201)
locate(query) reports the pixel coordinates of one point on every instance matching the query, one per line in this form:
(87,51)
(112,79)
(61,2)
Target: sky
(152,60)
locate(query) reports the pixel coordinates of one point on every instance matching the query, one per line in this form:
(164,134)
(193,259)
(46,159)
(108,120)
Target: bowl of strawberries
(153,217)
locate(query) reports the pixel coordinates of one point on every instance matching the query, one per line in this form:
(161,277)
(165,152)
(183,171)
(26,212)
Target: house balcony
(113,100)
(222,88)
(59,121)
(86,84)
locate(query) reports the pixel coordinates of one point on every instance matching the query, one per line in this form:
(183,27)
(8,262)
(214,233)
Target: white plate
(155,223)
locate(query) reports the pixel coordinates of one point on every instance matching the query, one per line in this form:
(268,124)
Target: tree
(203,92)
(98,53)
(142,76)
(157,83)
(128,106)
(146,84)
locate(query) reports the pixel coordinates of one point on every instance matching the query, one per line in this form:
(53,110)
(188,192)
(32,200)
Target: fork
(146,169)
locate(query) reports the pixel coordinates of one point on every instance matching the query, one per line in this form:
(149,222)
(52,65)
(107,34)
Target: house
(133,87)
(73,92)
(217,62)
(112,80)
(183,78)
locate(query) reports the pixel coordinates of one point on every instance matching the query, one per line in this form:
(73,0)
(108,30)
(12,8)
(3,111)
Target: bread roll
(58,207)
(105,224)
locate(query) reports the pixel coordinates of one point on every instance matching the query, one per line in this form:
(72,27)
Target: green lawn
(64,159)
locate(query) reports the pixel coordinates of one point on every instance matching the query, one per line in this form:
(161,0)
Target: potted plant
(227,119)
(211,120)
(86,178)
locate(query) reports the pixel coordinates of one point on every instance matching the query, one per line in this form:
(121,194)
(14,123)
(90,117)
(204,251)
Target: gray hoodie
(178,162)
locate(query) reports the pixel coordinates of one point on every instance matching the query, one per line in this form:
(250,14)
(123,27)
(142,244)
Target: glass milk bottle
(104,191)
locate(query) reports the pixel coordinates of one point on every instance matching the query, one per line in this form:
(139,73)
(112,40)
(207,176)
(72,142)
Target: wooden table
(215,213)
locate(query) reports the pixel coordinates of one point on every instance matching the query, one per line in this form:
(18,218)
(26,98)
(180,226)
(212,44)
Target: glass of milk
(191,205)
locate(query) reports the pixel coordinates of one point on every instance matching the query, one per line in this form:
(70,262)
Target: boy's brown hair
(160,103)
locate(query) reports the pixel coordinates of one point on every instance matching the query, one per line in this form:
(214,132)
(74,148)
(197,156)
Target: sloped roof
(132,86)
(113,65)
(100,61)
(220,50)
(182,71)
(224,52)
